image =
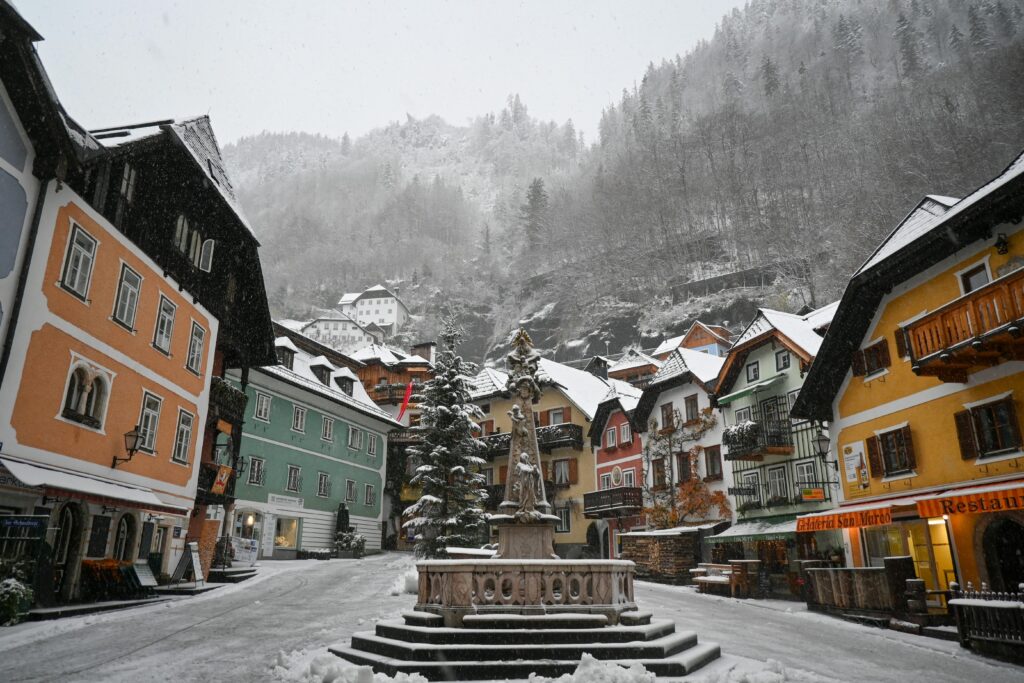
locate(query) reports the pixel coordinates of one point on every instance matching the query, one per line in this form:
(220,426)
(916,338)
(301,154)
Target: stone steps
(442,653)
(443,635)
(635,618)
(658,648)
(535,621)
(682,663)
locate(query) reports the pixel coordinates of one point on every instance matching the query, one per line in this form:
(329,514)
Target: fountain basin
(455,588)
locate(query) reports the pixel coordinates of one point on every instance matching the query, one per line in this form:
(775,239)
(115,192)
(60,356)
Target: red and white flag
(405,401)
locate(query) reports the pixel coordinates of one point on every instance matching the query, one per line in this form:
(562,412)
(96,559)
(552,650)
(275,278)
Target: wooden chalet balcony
(404,437)
(227,402)
(980,329)
(548,439)
(391,393)
(622,501)
(766,436)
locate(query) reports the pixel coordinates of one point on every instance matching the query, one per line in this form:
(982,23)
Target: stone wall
(663,558)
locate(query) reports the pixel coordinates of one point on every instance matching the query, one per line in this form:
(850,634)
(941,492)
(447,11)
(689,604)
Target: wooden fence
(989,617)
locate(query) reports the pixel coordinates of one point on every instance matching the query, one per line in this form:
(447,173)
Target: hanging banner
(853,460)
(221,481)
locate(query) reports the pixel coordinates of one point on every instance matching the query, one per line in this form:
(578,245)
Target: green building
(312,442)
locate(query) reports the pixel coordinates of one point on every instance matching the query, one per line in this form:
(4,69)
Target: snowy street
(270,628)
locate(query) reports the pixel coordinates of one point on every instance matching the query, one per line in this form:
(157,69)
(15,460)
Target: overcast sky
(330,66)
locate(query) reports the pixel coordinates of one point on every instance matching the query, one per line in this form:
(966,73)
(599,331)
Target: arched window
(65,527)
(181,234)
(86,398)
(125,540)
(195,247)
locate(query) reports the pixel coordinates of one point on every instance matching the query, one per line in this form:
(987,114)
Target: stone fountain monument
(525,610)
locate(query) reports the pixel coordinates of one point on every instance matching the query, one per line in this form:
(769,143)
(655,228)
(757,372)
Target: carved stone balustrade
(454,588)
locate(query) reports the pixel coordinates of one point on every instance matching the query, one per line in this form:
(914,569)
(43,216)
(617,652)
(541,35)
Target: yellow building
(921,376)
(563,416)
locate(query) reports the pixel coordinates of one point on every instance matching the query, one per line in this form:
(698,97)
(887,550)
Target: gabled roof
(683,366)
(380,290)
(905,253)
(718,332)
(195,135)
(348,298)
(487,383)
(633,358)
(379,353)
(795,332)
(414,360)
(617,398)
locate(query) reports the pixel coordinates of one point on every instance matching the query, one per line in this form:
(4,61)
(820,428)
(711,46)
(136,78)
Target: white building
(341,332)
(377,305)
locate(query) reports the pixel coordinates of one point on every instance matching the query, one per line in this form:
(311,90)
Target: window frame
(973,269)
(610,438)
(298,419)
(350,490)
(797,477)
(561,416)
(256,412)
(744,414)
(323,485)
(756,367)
(160,310)
(605,481)
(990,406)
(564,523)
(713,454)
(560,465)
(369,495)
(693,400)
(177,438)
(193,352)
(883,452)
(327,429)
(371,444)
(76,231)
(144,431)
(296,480)
(782,482)
(121,288)
(257,476)
(352,433)
(625,434)
(668,418)
(629,477)
(783,360)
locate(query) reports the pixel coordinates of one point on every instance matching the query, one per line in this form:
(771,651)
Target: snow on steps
(544,621)
(440,653)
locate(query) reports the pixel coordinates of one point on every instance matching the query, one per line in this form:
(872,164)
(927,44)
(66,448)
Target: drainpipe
(12,326)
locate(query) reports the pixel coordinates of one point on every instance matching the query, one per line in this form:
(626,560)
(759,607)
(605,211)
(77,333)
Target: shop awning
(750,389)
(58,482)
(767,530)
(973,500)
(875,513)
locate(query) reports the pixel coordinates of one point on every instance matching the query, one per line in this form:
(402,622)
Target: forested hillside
(791,141)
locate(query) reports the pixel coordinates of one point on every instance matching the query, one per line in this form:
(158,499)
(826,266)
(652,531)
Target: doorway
(67,550)
(1003,547)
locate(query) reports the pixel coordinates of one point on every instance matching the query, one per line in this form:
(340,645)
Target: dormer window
(322,373)
(344,383)
(285,357)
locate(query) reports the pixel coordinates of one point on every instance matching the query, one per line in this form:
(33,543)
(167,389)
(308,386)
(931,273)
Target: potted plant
(776,501)
(749,505)
(349,545)
(742,436)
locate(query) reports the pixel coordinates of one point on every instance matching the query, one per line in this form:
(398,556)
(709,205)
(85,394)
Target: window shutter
(965,435)
(574,471)
(875,457)
(901,343)
(544,469)
(504,473)
(883,353)
(545,418)
(859,369)
(1014,422)
(567,414)
(908,444)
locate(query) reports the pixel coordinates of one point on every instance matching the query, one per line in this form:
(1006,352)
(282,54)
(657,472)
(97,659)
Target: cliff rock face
(761,167)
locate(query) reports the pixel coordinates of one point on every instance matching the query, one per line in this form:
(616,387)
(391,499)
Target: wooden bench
(737,575)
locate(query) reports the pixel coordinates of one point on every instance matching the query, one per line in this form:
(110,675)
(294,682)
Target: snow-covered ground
(277,627)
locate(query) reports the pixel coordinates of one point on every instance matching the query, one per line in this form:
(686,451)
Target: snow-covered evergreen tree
(449,511)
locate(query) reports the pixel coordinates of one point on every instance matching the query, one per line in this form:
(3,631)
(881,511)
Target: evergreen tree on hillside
(448,512)
(956,40)
(981,37)
(769,77)
(534,213)
(909,44)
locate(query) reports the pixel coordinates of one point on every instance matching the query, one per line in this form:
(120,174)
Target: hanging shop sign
(812,494)
(221,482)
(742,491)
(853,460)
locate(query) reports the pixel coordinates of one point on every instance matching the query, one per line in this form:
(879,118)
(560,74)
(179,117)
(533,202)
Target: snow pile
(407,582)
(329,668)
(771,671)
(591,670)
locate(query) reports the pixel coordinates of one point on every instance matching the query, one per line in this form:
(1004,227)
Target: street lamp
(821,443)
(131,445)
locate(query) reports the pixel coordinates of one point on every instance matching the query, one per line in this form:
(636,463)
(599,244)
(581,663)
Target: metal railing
(549,438)
(761,434)
(988,616)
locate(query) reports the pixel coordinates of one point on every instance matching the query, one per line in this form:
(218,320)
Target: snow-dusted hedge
(15,597)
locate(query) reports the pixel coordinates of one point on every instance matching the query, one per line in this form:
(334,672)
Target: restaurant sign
(972,503)
(844,520)
(812,494)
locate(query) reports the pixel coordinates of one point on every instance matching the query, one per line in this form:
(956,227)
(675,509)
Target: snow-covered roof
(487,382)
(348,298)
(378,352)
(669,344)
(704,366)
(321,361)
(633,358)
(286,343)
(674,531)
(301,374)
(197,138)
(582,388)
(799,329)
(627,395)
(344,372)
(716,331)
(293,325)
(929,213)
(414,360)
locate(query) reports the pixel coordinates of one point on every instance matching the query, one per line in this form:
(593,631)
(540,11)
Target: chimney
(425,350)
